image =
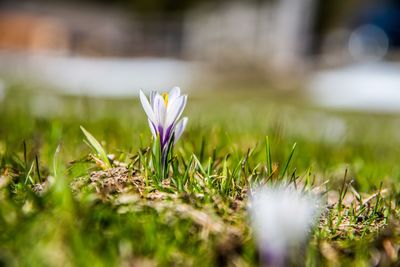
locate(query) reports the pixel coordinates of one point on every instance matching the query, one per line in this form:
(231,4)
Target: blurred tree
(330,14)
(145,7)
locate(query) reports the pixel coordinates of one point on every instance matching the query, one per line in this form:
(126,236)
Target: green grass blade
(97,147)
(284,170)
(268,156)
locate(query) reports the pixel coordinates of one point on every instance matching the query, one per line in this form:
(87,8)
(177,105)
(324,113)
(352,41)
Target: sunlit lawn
(58,208)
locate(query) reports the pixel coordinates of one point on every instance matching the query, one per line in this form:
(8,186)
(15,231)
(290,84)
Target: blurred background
(324,74)
(339,53)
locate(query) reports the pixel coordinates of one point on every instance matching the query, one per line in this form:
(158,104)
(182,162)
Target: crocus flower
(281,219)
(163,112)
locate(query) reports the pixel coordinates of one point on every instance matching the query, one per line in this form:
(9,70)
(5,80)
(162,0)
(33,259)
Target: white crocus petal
(179,128)
(183,106)
(152,96)
(147,107)
(159,110)
(174,93)
(153,103)
(175,109)
(152,129)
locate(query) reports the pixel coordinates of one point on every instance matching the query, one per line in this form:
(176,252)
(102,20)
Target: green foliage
(60,206)
(97,148)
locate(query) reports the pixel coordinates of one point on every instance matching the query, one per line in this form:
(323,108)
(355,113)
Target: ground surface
(58,207)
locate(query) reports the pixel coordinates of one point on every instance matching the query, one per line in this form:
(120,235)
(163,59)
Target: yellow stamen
(165,96)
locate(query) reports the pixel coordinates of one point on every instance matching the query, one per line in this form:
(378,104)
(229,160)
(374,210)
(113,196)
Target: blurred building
(276,35)
(64,30)
(261,32)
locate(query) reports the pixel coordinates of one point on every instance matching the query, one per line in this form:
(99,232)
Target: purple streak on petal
(183,105)
(159,110)
(180,127)
(152,129)
(168,132)
(161,133)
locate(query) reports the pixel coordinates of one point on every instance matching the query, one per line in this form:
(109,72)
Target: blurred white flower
(281,218)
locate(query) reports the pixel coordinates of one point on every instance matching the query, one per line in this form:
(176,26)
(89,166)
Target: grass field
(59,208)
